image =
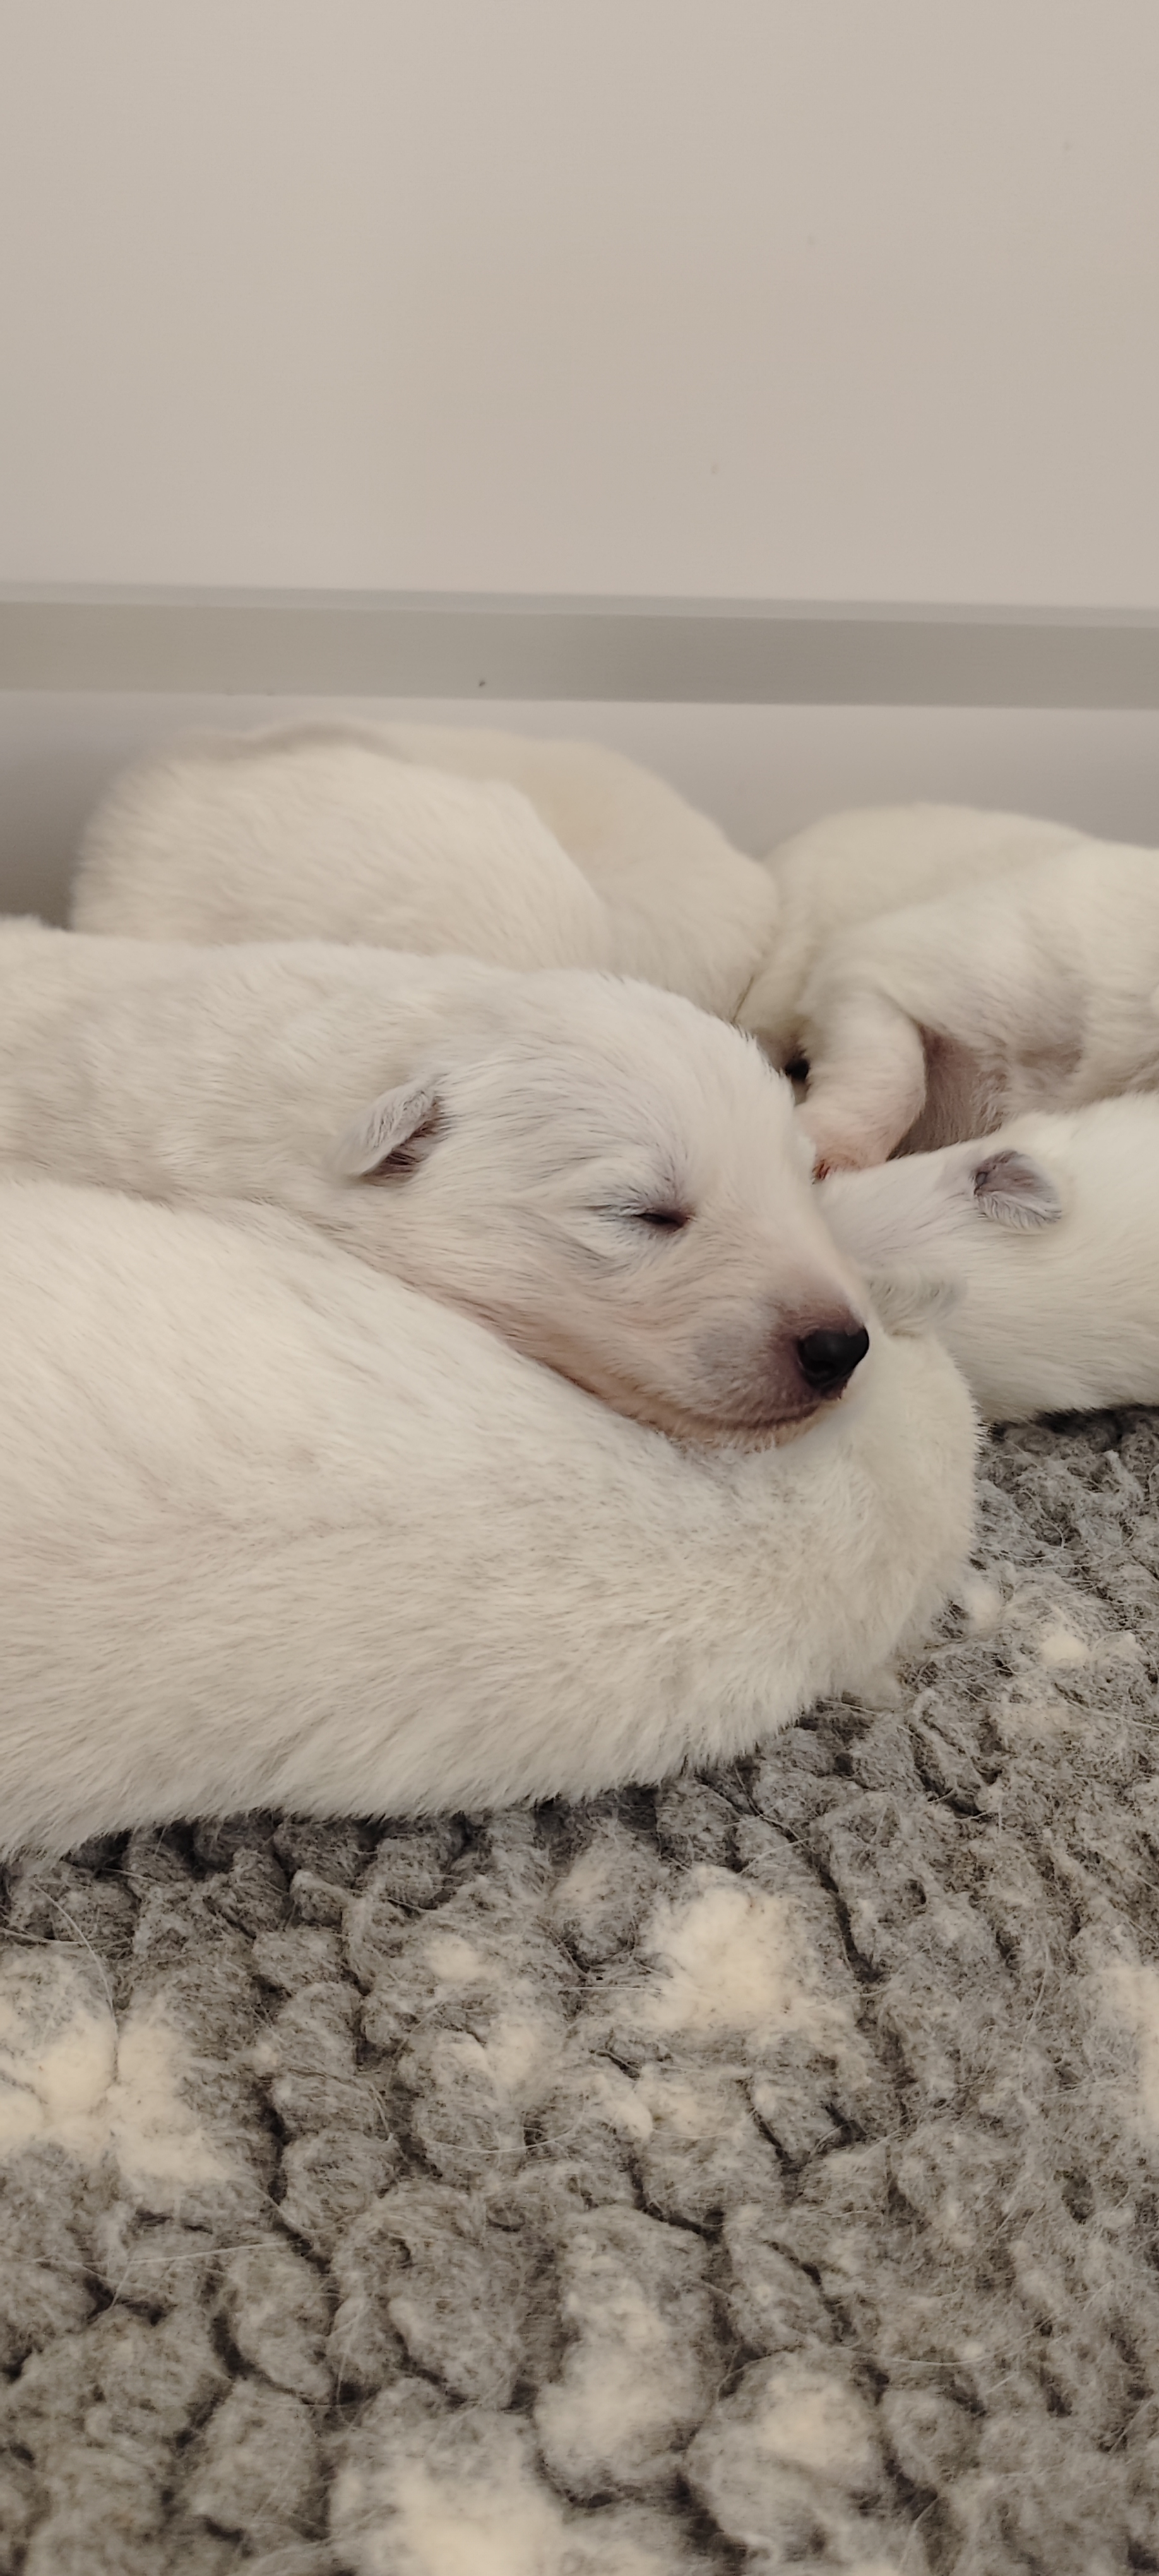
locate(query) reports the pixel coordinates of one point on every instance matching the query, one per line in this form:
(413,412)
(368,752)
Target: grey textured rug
(760,2175)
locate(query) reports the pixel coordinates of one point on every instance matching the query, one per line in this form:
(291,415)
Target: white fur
(314,832)
(851,867)
(277,1531)
(502,1141)
(685,909)
(1036,990)
(521,851)
(1058,1274)
(539,854)
(688,911)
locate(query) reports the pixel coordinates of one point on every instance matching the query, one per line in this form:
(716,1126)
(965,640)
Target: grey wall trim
(724,652)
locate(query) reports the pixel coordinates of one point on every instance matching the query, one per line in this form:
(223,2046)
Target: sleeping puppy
(1046,1240)
(608,1178)
(524,851)
(278,1531)
(535,854)
(1031,991)
(851,867)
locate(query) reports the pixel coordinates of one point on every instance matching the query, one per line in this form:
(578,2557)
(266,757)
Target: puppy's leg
(867,1079)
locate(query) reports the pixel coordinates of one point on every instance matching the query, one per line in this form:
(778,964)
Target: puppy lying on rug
(941,1020)
(559,854)
(534,853)
(1025,975)
(605,1175)
(1050,1233)
(668,870)
(280,1532)
(941,968)
(315,831)
(851,868)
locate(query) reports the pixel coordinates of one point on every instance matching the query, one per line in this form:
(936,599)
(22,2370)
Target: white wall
(832,298)
(788,298)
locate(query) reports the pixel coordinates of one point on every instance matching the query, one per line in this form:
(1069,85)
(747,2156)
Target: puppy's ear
(1011,1189)
(393,1136)
(912,1302)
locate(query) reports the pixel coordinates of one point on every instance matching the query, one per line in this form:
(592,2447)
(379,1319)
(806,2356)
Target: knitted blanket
(759,2174)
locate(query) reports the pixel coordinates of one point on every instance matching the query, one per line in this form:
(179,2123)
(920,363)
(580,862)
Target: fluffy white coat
(606,1175)
(941,1020)
(1049,1231)
(688,911)
(538,854)
(280,1532)
(314,831)
(523,851)
(852,867)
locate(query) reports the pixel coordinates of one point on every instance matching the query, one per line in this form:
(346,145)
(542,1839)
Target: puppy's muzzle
(828,1355)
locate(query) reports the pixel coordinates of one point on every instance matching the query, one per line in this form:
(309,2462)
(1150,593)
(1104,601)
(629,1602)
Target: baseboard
(579,650)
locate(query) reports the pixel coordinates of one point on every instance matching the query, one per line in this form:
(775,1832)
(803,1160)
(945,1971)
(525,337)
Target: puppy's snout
(829,1354)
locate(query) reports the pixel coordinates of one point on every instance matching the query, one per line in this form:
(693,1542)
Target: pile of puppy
(442,1364)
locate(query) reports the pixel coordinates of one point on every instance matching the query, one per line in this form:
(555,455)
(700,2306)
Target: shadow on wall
(764,772)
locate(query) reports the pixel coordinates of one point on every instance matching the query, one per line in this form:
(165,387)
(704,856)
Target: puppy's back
(276,1531)
(316,832)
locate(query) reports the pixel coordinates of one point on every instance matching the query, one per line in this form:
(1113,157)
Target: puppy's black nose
(827,1358)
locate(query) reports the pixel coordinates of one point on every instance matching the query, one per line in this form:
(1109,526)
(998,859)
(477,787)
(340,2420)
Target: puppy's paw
(839,1141)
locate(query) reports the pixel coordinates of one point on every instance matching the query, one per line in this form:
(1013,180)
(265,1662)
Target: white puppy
(277,1531)
(1050,1232)
(687,908)
(940,1021)
(852,867)
(684,908)
(314,832)
(532,853)
(604,1174)
(333,832)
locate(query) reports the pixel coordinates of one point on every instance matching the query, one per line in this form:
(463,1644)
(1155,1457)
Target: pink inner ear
(412,1148)
(393,1136)
(1011,1189)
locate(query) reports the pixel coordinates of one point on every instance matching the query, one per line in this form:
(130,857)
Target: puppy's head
(909,1215)
(618,1184)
